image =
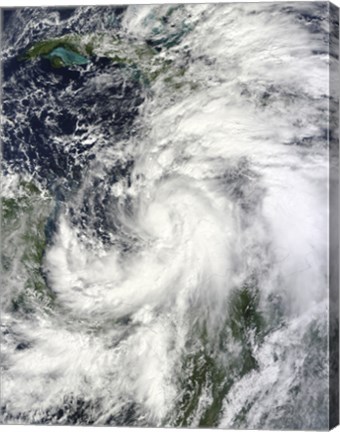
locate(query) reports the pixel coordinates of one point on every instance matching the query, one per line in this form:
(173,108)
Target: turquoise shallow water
(68,57)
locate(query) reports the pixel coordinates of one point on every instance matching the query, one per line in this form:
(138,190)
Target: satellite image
(165,215)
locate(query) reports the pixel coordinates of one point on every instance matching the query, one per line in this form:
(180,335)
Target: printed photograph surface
(165,215)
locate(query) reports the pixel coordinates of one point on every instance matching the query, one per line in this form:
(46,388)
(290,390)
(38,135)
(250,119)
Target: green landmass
(211,367)
(23,225)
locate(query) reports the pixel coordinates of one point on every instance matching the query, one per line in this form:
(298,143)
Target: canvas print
(169,231)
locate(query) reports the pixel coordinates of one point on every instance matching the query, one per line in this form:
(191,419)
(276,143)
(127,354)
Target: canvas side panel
(334,219)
